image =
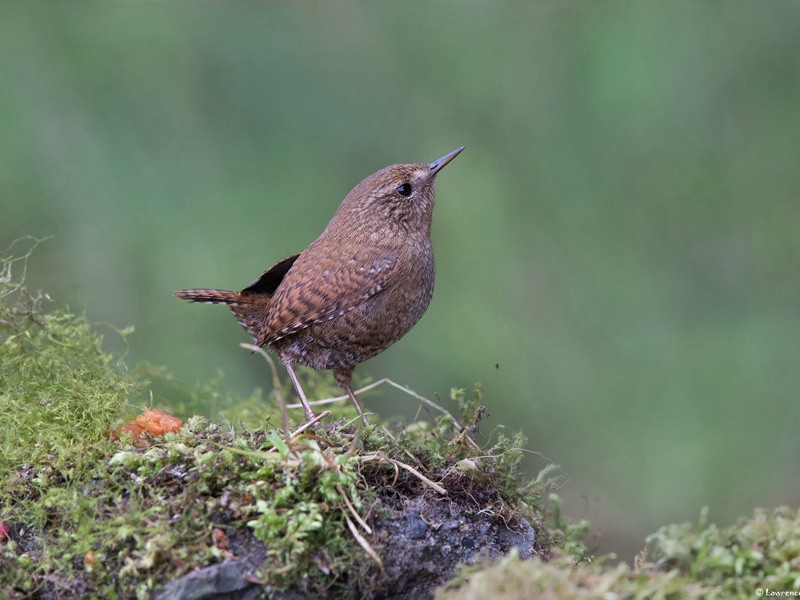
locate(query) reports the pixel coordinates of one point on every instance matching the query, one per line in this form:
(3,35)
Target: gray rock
(222,581)
(417,559)
(415,527)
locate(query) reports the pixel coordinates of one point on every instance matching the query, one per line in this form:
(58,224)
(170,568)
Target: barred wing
(321,290)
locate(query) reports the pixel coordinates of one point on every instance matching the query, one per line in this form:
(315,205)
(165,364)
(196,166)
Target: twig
(408,391)
(422,477)
(406,450)
(310,423)
(363,542)
(356,437)
(396,475)
(366,388)
(397,463)
(352,509)
(389,433)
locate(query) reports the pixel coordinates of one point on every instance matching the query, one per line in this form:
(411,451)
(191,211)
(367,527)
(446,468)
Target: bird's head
(398,199)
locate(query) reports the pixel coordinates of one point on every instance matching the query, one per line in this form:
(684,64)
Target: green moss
(563,578)
(59,392)
(760,552)
(684,561)
(568,535)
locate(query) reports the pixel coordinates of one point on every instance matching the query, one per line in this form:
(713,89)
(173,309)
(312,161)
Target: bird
(357,289)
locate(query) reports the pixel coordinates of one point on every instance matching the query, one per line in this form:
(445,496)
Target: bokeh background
(621,236)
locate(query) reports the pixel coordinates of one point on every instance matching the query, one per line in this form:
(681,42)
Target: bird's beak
(437,165)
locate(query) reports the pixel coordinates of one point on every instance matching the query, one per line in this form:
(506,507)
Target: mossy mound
(152,514)
(333,511)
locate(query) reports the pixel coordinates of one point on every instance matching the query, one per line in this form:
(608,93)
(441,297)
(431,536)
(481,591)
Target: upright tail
(209,296)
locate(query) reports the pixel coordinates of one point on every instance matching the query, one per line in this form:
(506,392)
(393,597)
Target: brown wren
(357,289)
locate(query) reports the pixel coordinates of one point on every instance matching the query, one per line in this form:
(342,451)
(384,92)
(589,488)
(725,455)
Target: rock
(524,539)
(222,581)
(428,536)
(415,527)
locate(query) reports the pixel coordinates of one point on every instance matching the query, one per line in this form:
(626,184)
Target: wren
(357,289)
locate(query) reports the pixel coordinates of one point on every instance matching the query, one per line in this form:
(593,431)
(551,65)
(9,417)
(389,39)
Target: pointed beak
(438,164)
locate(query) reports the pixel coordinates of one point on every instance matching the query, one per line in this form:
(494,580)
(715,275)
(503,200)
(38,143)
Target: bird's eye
(404,190)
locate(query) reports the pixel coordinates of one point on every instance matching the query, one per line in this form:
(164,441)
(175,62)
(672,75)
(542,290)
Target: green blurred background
(621,236)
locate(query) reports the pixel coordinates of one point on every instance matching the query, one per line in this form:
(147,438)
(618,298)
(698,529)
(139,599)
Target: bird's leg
(343,377)
(310,416)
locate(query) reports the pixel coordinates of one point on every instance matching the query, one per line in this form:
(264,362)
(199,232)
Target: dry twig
(379,456)
(363,542)
(402,388)
(352,509)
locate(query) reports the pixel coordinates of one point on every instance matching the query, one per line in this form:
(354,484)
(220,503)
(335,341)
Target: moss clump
(760,552)
(684,561)
(59,392)
(563,578)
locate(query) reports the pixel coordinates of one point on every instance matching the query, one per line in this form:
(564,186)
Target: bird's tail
(250,310)
(209,296)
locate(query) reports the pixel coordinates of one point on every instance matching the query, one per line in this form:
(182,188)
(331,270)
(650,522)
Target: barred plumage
(209,296)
